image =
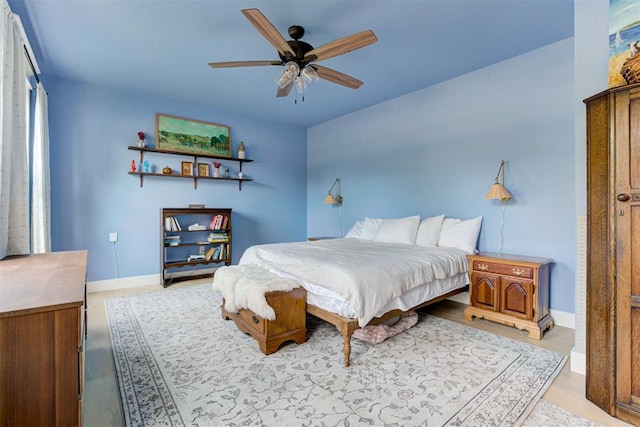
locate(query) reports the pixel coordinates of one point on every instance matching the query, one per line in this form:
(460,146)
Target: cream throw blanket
(244,286)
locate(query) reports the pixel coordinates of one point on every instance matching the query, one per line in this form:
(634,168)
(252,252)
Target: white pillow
(429,231)
(398,230)
(356,230)
(459,233)
(370,227)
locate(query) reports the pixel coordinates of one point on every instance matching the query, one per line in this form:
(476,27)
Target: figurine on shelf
(226,173)
(241,150)
(133,165)
(141,142)
(145,165)
(216,169)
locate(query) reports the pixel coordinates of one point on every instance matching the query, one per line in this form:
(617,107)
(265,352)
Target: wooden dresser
(510,289)
(290,323)
(42,321)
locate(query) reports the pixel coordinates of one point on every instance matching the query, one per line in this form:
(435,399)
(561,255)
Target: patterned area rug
(179,363)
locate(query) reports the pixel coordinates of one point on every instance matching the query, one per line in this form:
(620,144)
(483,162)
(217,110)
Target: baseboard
(578,362)
(560,318)
(462,297)
(137,281)
(122,283)
(564,319)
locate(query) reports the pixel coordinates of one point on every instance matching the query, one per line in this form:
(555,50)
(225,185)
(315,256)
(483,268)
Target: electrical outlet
(113,237)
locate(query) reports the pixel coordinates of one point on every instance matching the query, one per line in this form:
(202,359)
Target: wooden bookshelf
(185,252)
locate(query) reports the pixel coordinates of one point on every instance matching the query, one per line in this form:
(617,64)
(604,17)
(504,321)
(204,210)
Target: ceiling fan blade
(242,64)
(336,77)
(282,92)
(268,31)
(340,46)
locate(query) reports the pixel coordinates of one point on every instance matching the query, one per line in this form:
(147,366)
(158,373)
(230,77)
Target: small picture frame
(187,168)
(203,169)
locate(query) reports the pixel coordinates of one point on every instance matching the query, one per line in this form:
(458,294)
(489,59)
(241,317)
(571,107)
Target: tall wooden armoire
(613,252)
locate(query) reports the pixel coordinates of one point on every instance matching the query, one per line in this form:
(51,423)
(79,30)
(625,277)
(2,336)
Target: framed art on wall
(187,168)
(624,42)
(192,136)
(203,169)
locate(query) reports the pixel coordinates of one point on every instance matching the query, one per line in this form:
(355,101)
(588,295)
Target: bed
(352,282)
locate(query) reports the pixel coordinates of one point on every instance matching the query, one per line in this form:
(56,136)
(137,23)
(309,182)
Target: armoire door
(627,236)
(613,252)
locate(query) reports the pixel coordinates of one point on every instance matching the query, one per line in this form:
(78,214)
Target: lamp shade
(330,200)
(497,191)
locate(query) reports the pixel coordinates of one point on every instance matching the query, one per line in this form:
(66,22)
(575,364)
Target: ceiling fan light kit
(296,56)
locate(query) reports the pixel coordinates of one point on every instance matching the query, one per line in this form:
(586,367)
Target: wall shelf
(195,158)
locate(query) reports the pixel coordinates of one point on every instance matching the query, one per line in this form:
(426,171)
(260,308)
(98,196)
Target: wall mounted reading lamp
(335,200)
(498,192)
(331,199)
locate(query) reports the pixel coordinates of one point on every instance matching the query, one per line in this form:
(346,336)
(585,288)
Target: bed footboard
(345,325)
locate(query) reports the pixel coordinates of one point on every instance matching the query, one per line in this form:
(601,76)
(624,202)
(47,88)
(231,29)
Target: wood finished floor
(102,405)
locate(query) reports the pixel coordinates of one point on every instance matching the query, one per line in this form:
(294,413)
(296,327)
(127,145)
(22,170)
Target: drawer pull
(518,272)
(255,320)
(483,267)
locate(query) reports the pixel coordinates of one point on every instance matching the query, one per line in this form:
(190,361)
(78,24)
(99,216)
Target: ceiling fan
(299,58)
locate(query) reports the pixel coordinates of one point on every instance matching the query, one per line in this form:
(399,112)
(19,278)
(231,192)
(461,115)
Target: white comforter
(365,273)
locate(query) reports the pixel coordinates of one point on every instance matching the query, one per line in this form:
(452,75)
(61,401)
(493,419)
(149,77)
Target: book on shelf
(218,222)
(218,236)
(224,250)
(209,254)
(216,252)
(177,224)
(171,224)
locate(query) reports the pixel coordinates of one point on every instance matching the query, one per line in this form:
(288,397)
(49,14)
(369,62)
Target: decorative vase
(167,170)
(241,150)
(216,172)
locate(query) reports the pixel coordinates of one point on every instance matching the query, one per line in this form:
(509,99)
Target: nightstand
(510,289)
(290,323)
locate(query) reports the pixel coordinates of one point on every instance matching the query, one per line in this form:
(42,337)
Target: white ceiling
(162,47)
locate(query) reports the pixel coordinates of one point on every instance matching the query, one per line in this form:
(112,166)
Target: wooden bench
(290,323)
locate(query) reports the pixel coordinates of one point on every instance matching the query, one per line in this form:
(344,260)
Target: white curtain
(14,166)
(40,200)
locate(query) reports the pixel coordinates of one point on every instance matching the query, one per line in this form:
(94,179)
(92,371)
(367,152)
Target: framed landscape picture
(192,136)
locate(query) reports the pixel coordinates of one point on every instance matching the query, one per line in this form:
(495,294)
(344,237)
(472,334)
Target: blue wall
(438,150)
(429,152)
(92,194)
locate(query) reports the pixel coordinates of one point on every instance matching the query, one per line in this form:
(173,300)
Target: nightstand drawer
(504,269)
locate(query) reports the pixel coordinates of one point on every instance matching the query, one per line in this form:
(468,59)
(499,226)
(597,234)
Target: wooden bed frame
(347,326)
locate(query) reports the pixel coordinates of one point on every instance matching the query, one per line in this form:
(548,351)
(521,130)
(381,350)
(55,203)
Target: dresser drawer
(503,269)
(252,320)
